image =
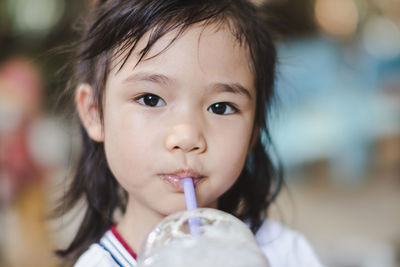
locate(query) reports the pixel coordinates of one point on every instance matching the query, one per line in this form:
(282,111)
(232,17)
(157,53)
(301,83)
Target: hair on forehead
(122,53)
(125,23)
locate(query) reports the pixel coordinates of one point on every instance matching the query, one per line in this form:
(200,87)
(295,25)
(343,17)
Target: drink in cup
(220,240)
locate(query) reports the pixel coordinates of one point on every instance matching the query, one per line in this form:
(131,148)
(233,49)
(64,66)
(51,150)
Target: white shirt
(283,247)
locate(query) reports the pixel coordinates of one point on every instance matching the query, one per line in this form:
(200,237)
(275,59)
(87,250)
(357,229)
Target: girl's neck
(136,223)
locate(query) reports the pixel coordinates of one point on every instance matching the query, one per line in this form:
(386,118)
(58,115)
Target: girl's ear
(88,111)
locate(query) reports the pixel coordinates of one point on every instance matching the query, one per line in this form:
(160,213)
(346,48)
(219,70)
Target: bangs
(122,32)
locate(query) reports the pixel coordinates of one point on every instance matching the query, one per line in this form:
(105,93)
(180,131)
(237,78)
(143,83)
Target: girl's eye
(222,108)
(150,100)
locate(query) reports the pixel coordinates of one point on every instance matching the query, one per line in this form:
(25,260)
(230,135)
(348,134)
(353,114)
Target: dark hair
(115,27)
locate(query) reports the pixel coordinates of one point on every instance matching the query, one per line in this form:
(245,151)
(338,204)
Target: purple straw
(191,204)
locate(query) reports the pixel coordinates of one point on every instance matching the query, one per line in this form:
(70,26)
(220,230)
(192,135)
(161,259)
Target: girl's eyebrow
(235,88)
(150,77)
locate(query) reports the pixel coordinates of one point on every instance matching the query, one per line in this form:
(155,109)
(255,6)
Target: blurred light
(258,2)
(388,6)
(337,17)
(49,143)
(21,84)
(10,114)
(35,17)
(381,38)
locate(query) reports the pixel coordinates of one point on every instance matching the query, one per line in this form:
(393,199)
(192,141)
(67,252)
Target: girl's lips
(175,179)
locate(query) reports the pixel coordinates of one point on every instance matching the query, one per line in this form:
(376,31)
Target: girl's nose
(186,138)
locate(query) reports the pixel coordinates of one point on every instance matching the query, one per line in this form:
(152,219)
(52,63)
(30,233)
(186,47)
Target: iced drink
(224,241)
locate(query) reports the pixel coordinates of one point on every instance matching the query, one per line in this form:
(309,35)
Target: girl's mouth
(175,179)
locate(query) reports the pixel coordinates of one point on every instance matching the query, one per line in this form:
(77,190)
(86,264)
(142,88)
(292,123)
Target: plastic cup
(223,241)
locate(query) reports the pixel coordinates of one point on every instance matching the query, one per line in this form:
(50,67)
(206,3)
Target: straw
(191,204)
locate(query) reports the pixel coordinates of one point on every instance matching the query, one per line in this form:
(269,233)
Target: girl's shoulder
(284,246)
(95,256)
(108,252)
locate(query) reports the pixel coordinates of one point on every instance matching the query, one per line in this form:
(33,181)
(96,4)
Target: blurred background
(335,124)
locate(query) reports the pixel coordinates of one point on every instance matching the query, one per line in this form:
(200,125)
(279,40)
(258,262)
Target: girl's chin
(166,211)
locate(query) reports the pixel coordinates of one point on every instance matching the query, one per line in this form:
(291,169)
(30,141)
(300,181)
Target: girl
(168,89)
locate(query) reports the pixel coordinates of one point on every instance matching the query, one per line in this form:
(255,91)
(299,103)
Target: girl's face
(187,111)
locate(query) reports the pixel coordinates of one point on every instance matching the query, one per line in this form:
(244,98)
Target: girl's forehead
(199,36)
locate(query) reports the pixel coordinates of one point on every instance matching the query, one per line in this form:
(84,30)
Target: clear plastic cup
(223,241)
